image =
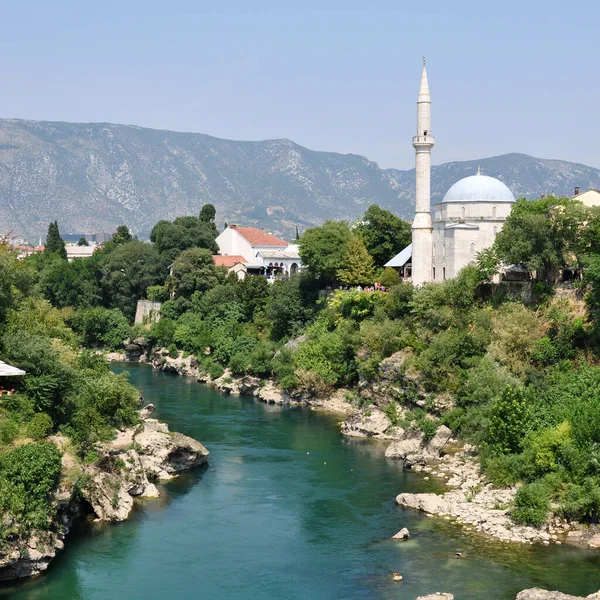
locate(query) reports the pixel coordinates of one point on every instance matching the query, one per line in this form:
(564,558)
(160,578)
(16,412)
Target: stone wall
(147,312)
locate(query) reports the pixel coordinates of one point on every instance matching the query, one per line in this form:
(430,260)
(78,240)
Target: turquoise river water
(286,509)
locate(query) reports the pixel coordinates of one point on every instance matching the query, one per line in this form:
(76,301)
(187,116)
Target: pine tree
(357,265)
(54,243)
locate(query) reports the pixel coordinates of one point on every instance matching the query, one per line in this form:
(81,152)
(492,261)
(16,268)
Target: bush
(40,426)
(215,371)
(9,430)
(98,325)
(27,476)
(509,422)
(389,278)
(505,470)
(532,504)
(582,502)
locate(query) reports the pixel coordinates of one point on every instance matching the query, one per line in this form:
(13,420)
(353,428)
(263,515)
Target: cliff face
(93,177)
(127,468)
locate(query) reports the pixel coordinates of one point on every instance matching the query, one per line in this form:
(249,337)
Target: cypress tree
(357,263)
(54,243)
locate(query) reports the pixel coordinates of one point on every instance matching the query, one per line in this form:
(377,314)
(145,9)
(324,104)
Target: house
(262,253)
(74,251)
(589,198)
(234,263)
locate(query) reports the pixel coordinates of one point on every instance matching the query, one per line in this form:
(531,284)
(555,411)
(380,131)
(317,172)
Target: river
(287,508)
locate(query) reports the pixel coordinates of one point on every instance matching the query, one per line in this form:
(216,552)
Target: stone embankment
(127,468)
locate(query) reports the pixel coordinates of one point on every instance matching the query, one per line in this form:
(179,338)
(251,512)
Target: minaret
(422,237)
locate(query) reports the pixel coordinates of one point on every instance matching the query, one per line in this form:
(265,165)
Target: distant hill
(93,177)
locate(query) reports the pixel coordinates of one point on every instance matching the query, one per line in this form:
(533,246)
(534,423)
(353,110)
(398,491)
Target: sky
(333,75)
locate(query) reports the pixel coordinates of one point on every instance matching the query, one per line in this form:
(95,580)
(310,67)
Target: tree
(285,308)
(384,234)
(357,263)
(207,217)
(183,233)
(128,271)
(542,235)
(195,271)
(122,235)
(322,250)
(54,243)
(82,242)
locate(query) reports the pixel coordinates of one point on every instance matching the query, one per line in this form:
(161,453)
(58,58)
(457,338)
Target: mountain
(93,177)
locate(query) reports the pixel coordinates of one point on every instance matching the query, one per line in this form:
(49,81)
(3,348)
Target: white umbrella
(9,371)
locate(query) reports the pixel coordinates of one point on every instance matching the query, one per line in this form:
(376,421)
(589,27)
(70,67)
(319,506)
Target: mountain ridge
(94,176)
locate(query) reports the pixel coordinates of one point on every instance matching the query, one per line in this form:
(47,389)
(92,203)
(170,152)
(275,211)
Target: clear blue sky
(340,75)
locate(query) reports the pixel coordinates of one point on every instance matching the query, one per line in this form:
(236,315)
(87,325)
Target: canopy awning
(401,258)
(7,370)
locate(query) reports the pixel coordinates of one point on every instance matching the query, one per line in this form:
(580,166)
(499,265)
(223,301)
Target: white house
(263,253)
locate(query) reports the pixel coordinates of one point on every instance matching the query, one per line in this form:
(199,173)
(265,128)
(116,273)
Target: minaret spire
(422,237)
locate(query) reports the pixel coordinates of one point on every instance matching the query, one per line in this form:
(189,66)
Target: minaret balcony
(423,140)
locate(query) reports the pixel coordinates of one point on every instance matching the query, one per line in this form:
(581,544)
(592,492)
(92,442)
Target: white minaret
(422,238)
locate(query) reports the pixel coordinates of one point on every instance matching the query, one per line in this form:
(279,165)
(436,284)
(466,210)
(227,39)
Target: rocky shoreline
(530,594)
(469,500)
(127,468)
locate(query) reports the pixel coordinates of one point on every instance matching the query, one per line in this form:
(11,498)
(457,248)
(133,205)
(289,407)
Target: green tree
(322,250)
(128,271)
(195,271)
(509,421)
(82,242)
(54,243)
(183,233)
(384,234)
(122,235)
(357,263)
(207,217)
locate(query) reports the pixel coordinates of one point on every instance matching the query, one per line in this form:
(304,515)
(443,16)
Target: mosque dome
(479,188)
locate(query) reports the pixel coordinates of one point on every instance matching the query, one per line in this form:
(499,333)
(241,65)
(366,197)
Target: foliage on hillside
(519,380)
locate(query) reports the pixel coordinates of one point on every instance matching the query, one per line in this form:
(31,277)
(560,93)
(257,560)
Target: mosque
(465,222)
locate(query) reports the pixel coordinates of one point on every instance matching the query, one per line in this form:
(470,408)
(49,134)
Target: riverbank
(106,484)
(470,500)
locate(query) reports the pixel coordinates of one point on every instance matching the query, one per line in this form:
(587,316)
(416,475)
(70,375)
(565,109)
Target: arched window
(463,212)
(472,248)
(293,268)
(495,231)
(494,211)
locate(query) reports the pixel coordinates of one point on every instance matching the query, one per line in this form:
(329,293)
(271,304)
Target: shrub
(173,351)
(532,503)
(99,325)
(509,421)
(40,426)
(389,278)
(504,470)
(9,430)
(215,371)
(27,476)
(582,502)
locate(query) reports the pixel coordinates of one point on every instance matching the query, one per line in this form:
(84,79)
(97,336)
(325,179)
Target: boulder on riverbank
(437,596)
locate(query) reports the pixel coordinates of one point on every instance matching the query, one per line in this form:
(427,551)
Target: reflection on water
(287,508)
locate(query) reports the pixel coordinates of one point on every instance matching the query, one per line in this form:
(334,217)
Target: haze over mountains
(93,177)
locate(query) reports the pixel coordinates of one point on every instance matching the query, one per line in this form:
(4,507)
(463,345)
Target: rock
(429,503)
(107,497)
(397,577)
(538,594)
(412,448)
(147,411)
(293,344)
(370,422)
(437,596)
(403,534)
(391,368)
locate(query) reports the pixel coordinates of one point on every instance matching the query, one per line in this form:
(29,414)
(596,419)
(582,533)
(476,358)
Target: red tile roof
(256,237)
(228,260)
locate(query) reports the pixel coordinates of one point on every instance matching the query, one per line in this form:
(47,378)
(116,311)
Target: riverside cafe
(7,370)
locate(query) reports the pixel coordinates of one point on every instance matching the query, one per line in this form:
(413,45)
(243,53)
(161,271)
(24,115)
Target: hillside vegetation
(514,373)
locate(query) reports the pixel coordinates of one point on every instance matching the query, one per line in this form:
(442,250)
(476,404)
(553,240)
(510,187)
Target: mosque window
(443,248)
(433,270)
(472,248)
(463,212)
(444,273)
(495,231)
(494,211)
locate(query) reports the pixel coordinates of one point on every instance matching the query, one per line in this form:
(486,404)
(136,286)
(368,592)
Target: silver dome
(479,188)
